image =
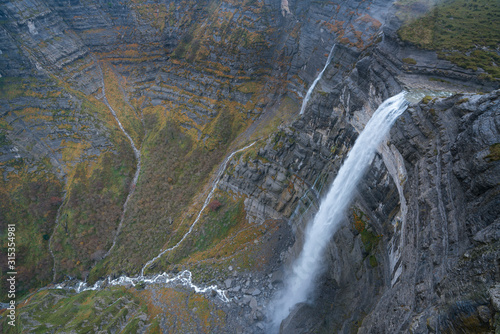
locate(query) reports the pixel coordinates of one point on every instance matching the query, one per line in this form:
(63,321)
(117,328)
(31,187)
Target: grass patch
(287,110)
(369,239)
(30,201)
(251,87)
(463,32)
(217,224)
(409,61)
(426,99)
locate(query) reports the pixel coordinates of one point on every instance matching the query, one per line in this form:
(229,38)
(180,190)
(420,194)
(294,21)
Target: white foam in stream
(184,278)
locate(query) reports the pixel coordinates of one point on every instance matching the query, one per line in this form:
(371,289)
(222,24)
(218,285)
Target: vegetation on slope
(59,123)
(223,237)
(127,115)
(369,239)
(92,210)
(494,153)
(116,309)
(175,168)
(30,202)
(464,32)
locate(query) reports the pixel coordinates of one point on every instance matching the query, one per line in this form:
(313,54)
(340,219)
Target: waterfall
(309,92)
(300,282)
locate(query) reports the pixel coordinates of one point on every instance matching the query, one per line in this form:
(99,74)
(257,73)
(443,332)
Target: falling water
(309,92)
(300,282)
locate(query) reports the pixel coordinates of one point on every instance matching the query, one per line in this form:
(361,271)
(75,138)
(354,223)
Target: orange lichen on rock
(375,24)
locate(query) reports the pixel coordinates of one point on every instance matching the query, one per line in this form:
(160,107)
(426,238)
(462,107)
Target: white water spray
(309,92)
(300,282)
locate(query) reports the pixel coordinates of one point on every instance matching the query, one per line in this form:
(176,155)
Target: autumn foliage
(214,205)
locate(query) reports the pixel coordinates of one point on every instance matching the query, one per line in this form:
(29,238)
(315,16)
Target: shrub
(409,61)
(214,205)
(426,99)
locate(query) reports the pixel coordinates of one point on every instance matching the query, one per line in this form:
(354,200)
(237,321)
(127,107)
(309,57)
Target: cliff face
(192,81)
(419,229)
(428,202)
(449,229)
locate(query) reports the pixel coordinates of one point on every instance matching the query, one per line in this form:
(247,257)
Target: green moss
(409,61)
(369,239)
(250,155)
(494,153)
(250,87)
(10,88)
(4,140)
(373,261)
(154,327)
(427,99)
(277,140)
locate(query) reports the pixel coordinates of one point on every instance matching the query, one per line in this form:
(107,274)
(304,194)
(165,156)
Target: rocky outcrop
(451,191)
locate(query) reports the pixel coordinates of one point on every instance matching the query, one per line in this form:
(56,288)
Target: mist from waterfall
(310,90)
(300,282)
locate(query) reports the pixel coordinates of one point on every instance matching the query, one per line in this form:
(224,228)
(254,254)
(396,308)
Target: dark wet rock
(300,321)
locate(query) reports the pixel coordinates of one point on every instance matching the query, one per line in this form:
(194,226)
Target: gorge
(164,161)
